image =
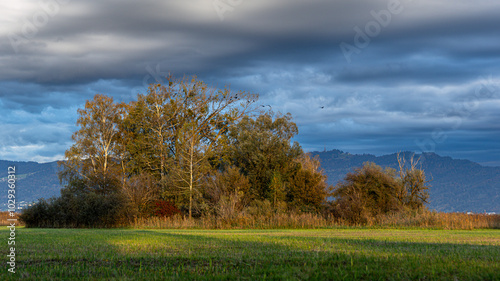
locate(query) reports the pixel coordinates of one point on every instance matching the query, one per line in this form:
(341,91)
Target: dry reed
(432,219)
(420,218)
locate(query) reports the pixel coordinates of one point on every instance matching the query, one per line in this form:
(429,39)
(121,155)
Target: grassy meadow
(314,254)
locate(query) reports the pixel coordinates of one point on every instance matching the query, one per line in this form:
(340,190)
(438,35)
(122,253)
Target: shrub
(77,210)
(226,193)
(37,215)
(164,208)
(260,208)
(141,192)
(370,192)
(366,193)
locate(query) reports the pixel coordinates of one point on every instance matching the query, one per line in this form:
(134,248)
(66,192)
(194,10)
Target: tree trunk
(191,179)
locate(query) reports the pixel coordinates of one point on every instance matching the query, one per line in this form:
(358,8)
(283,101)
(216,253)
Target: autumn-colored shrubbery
(164,208)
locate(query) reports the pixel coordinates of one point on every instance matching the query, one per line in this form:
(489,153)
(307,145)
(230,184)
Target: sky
(362,76)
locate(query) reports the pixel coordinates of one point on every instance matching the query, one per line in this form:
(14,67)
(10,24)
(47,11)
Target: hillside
(457,185)
(34,181)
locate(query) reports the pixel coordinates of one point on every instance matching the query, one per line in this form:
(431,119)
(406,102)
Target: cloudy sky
(363,76)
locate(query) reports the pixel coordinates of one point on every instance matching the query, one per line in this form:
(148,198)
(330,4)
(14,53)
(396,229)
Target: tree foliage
(94,158)
(308,187)
(277,169)
(261,147)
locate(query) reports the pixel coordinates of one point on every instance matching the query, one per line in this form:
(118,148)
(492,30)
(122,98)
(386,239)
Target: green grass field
(326,254)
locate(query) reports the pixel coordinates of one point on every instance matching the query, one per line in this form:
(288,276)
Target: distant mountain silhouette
(34,181)
(457,185)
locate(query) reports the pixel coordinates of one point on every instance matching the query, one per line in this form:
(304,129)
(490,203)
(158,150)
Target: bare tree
(413,184)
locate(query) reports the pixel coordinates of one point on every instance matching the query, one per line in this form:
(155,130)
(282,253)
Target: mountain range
(33,181)
(456,185)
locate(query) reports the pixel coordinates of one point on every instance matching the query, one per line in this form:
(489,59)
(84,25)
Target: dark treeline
(185,148)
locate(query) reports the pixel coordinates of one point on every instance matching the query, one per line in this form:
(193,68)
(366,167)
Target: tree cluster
(204,151)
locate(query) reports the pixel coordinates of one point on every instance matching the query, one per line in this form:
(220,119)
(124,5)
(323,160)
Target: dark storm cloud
(421,73)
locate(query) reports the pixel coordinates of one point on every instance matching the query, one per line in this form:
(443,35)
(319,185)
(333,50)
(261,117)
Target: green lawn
(327,254)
